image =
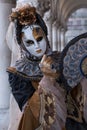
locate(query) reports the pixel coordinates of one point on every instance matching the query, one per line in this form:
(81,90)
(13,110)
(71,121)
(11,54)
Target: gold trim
(78,119)
(14,71)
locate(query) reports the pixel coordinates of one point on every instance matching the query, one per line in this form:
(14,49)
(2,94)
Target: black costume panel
(22,89)
(74,125)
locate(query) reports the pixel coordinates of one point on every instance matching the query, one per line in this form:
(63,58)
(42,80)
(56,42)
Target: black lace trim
(22,89)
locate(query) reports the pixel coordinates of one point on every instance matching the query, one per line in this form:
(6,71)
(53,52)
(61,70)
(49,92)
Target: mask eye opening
(29,42)
(39,39)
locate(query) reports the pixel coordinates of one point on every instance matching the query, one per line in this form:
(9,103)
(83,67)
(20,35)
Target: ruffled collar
(29,68)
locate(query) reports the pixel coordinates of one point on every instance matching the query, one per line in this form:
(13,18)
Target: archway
(76,24)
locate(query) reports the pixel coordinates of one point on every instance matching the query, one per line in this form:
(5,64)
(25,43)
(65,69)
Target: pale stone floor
(4,119)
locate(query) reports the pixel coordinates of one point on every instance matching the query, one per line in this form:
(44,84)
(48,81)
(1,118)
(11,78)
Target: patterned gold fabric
(75,103)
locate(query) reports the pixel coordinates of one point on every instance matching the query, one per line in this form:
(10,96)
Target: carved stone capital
(47,15)
(43,6)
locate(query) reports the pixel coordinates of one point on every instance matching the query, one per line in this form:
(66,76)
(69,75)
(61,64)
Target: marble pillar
(5,9)
(59,38)
(54,35)
(62,38)
(48,21)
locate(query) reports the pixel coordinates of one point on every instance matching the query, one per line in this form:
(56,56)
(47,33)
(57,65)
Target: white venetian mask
(34,40)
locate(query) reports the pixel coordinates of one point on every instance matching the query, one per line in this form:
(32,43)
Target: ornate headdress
(26,15)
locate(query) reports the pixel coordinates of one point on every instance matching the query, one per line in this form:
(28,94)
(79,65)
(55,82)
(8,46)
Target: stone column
(64,31)
(59,38)
(54,35)
(5,9)
(48,21)
(62,38)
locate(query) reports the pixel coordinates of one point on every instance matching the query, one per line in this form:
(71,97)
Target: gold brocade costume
(74,103)
(30,118)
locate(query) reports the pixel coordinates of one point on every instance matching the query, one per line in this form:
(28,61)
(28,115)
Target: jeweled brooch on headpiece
(26,15)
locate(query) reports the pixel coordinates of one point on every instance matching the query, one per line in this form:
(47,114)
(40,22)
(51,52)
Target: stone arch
(73,9)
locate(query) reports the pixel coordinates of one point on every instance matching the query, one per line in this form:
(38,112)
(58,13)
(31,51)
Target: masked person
(24,76)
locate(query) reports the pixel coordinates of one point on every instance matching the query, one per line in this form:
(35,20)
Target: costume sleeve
(22,89)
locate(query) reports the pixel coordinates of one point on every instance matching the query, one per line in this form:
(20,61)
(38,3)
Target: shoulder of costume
(14,71)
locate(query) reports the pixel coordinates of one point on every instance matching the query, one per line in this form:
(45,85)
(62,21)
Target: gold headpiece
(26,15)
